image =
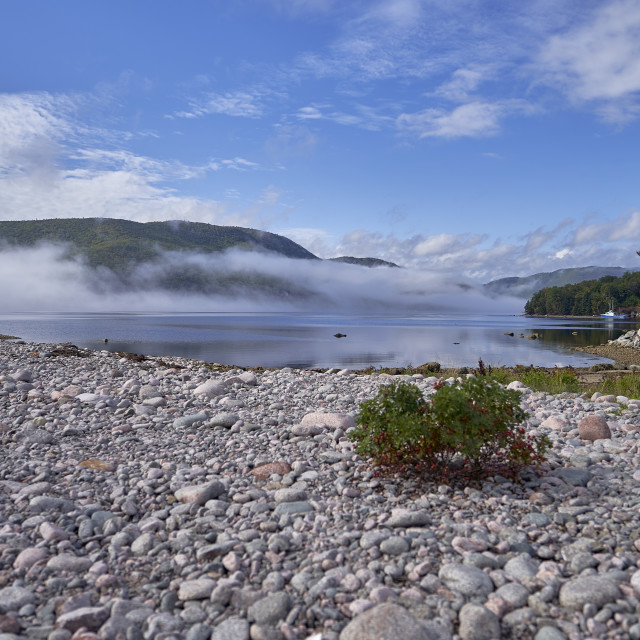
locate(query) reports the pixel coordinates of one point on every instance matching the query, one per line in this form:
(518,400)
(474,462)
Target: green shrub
(557,382)
(462,432)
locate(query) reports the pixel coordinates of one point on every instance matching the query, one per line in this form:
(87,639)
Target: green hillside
(590,297)
(122,244)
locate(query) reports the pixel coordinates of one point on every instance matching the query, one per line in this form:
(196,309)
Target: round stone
(594,428)
(196,589)
(385,622)
(597,590)
(467,580)
(394,546)
(478,623)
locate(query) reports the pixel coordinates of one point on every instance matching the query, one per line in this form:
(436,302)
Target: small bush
(559,381)
(463,431)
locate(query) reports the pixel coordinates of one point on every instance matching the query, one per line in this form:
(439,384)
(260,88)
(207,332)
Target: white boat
(612,315)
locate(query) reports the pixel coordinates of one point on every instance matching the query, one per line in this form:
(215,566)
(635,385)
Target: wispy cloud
(240,104)
(363,116)
(598,60)
(462,83)
(32,126)
(476,119)
(475,67)
(625,227)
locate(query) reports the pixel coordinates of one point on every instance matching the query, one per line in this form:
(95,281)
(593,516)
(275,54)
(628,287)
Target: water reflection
(306,340)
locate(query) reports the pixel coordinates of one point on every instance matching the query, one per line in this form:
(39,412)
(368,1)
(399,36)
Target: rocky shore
(160,500)
(625,349)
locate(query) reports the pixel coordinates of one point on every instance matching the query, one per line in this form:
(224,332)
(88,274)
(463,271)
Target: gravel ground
(625,355)
(160,500)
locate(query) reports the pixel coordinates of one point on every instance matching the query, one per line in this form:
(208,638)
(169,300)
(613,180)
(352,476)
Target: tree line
(590,297)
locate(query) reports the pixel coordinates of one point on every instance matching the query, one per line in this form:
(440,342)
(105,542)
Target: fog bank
(42,279)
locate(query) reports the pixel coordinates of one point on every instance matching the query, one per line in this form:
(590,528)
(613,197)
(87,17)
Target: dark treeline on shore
(590,297)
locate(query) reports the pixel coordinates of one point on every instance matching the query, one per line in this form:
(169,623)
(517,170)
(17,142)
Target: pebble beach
(158,499)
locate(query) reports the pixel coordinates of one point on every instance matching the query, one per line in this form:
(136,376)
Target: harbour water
(306,340)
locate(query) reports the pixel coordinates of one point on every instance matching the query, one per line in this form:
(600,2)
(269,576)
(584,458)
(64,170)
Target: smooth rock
(199,494)
(28,557)
(478,623)
(231,629)
(270,609)
(385,621)
(69,562)
(596,590)
(408,518)
(196,589)
(225,419)
(90,618)
(14,598)
(210,388)
(335,420)
(469,581)
(594,428)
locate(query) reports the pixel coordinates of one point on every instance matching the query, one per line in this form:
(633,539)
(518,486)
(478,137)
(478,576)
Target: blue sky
(485,138)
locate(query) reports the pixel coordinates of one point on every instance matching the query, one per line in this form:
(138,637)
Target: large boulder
(594,428)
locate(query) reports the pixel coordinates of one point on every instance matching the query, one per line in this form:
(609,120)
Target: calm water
(305,340)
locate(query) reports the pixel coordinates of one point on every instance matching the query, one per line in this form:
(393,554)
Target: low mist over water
(41,280)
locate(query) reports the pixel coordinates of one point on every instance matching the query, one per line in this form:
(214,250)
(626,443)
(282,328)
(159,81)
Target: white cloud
(476,119)
(599,59)
(309,113)
(52,165)
(625,227)
(483,258)
(32,126)
(462,83)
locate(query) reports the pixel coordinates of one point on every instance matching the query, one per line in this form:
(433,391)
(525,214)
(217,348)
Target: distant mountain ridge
(121,244)
(525,287)
(176,256)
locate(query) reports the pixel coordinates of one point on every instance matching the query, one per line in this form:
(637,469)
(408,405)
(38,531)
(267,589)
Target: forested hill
(590,297)
(119,244)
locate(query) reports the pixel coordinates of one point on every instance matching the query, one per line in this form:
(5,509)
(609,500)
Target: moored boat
(612,315)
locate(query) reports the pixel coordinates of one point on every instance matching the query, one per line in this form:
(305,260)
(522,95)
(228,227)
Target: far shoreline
(567,317)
